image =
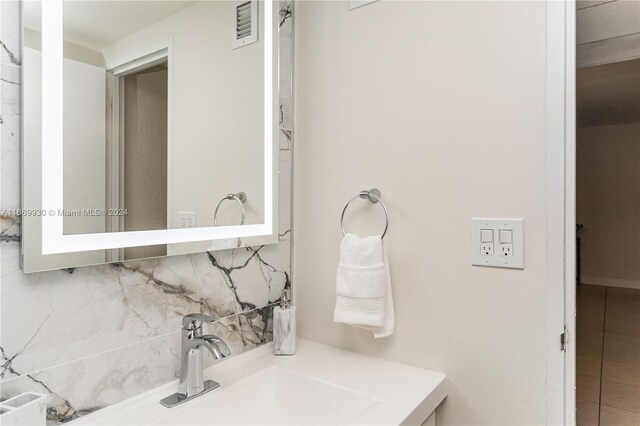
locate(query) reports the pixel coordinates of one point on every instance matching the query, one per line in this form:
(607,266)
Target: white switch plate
(186,219)
(504,254)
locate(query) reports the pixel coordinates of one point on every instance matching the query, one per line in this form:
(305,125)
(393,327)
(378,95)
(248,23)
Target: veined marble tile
(10,96)
(286,57)
(10,136)
(73,314)
(284,233)
(10,32)
(86,385)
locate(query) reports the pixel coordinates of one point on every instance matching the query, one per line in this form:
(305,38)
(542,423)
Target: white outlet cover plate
(516,225)
(187,219)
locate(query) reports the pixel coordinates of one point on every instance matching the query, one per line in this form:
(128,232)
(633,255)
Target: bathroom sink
(319,385)
(278,397)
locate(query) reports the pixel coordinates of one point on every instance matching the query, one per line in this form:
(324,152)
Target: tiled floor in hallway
(608,356)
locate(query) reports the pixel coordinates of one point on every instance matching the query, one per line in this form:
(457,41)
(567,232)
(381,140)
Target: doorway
(583,35)
(145,153)
(138,151)
(608,214)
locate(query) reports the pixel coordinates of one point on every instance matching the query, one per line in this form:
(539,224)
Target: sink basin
(319,385)
(275,395)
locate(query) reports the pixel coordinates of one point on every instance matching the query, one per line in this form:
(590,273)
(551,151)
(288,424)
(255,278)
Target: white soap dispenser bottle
(284,327)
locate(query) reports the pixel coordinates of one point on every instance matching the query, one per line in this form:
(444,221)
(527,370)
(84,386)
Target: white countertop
(320,384)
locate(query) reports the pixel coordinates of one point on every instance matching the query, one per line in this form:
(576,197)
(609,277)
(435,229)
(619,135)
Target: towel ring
(373,195)
(240,198)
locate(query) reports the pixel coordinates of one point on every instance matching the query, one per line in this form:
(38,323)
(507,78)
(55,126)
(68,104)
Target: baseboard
(610,282)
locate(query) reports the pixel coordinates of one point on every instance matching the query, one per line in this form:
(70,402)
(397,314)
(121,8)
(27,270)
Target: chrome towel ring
(373,195)
(240,198)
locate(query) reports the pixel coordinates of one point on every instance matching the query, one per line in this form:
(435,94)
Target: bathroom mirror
(150,129)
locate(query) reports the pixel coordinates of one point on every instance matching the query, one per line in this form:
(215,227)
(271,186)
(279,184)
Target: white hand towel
(364,297)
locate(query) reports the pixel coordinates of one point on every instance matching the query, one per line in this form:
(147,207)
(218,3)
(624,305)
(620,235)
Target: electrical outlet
(497,243)
(186,219)
(506,250)
(486,249)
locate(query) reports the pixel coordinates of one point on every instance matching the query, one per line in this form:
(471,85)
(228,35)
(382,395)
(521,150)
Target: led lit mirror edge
(249,240)
(54,240)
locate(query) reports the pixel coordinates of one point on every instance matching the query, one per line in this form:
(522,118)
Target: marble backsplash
(93,336)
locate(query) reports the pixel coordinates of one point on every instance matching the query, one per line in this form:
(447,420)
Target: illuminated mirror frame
(53,239)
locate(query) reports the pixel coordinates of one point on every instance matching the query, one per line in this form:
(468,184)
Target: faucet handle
(191,321)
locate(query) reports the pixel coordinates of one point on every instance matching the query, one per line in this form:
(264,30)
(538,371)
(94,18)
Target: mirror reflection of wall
(163,117)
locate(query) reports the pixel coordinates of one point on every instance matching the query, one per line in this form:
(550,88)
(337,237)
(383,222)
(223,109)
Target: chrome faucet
(191,381)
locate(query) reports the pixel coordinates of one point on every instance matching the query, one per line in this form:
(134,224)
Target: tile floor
(608,356)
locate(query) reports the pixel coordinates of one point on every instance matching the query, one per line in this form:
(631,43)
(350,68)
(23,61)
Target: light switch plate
(186,219)
(504,254)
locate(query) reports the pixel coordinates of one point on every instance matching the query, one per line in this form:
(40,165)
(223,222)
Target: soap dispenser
(284,327)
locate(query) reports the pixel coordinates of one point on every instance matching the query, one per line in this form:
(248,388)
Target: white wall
(442,106)
(217,116)
(33,39)
(608,204)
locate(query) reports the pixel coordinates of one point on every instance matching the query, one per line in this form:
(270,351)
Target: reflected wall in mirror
(164,120)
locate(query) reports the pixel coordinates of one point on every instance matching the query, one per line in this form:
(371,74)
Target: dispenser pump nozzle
(285,302)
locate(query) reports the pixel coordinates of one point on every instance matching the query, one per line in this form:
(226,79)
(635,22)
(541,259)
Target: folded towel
(363,286)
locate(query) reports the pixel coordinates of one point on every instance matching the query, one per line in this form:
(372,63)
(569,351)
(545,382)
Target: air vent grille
(246,23)
(243,20)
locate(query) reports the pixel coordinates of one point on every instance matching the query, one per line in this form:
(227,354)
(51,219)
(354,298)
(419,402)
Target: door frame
(117,70)
(561,213)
